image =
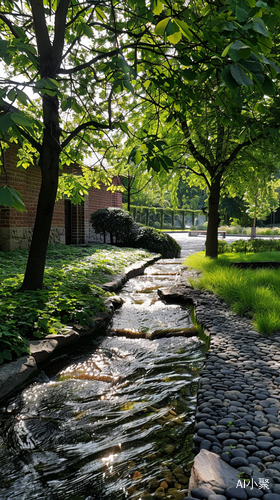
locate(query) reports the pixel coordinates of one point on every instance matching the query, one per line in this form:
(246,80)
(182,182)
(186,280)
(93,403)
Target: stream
(114,419)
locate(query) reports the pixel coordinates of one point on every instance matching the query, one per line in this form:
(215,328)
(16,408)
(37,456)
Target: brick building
(70,222)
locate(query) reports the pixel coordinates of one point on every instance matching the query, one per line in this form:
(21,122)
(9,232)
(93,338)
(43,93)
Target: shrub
(255,246)
(119,224)
(115,221)
(153,240)
(222,246)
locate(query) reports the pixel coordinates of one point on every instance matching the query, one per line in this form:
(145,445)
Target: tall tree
(211,88)
(78,56)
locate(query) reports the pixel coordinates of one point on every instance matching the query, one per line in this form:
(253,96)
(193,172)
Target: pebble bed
(238,401)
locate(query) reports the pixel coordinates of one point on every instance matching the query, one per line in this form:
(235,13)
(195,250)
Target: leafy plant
(12,344)
(72,292)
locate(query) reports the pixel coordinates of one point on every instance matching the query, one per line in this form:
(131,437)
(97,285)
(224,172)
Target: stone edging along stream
(16,374)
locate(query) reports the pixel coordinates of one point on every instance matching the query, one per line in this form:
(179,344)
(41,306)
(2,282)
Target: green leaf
(128,85)
(158,8)
(241,15)
(271,63)
(184,28)
(240,76)
(252,65)
(11,95)
(20,120)
(161,26)
(3,48)
(124,128)
(189,74)
(154,164)
(5,122)
(22,97)
(138,157)
(175,38)
(242,136)
(87,30)
(100,14)
(9,197)
(238,51)
(228,79)
(7,354)
(267,86)
(259,26)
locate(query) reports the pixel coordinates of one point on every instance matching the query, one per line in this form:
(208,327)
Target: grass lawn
(71,292)
(254,293)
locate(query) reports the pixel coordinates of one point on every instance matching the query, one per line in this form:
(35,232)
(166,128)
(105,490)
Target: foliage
(153,240)
(119,224)
(205,107)
(253,293)
(203,71)
(71,294)
(255,245)
(222,246)
(115,221)
(10,197)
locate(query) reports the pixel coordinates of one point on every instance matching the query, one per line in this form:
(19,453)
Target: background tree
(78,56)
(207,97)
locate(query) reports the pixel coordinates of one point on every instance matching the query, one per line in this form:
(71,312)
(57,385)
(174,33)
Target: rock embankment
(238,403)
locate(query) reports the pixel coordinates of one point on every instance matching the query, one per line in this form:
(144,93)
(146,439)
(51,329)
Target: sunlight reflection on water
(104,423)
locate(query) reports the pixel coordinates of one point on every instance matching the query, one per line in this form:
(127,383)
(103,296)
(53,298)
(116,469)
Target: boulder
(210,471)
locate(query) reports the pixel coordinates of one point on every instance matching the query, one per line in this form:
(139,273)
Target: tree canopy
(200,71)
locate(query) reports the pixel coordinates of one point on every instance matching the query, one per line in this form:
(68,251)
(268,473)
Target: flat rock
(64,340)
(15,374)
(42,349)
(210,471)
(175,294)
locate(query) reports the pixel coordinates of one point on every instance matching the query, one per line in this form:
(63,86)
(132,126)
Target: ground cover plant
(252,293)
(71,292)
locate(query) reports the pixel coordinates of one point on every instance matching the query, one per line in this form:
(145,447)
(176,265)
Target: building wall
(16,227)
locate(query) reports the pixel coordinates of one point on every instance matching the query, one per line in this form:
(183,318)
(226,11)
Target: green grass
(254,293)
(71,292)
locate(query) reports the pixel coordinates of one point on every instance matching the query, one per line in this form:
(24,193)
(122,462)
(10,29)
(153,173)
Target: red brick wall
(27,182)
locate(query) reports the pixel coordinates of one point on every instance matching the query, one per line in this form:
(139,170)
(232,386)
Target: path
(238,401)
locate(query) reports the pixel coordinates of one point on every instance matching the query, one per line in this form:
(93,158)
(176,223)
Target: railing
(167,218)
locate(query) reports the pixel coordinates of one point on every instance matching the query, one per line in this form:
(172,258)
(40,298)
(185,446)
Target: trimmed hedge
(119,224)
(153,240)
(115,221)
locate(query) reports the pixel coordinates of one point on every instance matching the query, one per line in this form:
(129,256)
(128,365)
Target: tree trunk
(213,219)
(49,164)
(253,229)
(128,194)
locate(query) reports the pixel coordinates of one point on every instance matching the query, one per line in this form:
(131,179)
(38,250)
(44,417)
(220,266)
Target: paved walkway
(193,244)
(238,404)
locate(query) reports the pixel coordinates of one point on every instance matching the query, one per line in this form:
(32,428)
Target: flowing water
(103,422)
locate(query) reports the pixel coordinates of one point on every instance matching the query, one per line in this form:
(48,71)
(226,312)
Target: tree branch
(41,30)
(59,32)
(10,25)
(91,123)
(196,154)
